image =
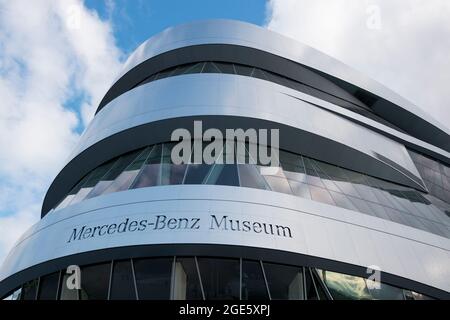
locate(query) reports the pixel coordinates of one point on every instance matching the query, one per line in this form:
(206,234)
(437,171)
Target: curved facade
(363,182)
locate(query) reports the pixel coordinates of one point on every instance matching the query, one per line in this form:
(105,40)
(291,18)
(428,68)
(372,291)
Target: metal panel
(306,220)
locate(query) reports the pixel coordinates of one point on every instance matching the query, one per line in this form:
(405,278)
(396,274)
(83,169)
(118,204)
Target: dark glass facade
(297,175)
(206,278)
(249,71)
(435,174)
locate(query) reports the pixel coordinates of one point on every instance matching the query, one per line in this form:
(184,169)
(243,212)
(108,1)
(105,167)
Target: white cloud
(403,44)
(51,53)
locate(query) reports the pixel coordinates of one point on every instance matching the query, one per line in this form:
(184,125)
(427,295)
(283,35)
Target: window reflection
(220,278)
(153,278)
(48,286)
(253,283)
(285,282)
(345,287)
(187,284)
(197,278)
(298,175)
(95,282)
(29,290)
(122,283)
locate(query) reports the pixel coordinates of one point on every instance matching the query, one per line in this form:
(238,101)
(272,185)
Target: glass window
(220,278)
(48,286)
(345,287)
(250,177)
(117,168)
(285,282)
(362,206)
(386,292)
(411,295)
(225,67)
(29,290)
(122,282)
(243,70)
(342,201)
(73,193)
(91,182)
(300,189)
(210,67)
(197,173)
(15,295)
(196,68)
(258,73)
(153,278)
(165,73)
(320,287)
(278,184)
(95,281)
(125,179)
(181,69)
(321,195)
(170,173)
(379,211)
(223,174)
(310,286)
(186,280)
(151,172)
(296,176)
(253,283)
(347,188)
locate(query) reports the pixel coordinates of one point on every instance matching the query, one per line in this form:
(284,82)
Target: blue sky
(135,21)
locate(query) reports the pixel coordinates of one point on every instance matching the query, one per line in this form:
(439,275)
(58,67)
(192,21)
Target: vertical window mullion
(59,285)
(134,279)
(240,278)
(37,288)
(141,168)
(110,279)
(172,279)
(161,165)
(187,164)
(305,293)
(314,284)
(200,278)
(265,279)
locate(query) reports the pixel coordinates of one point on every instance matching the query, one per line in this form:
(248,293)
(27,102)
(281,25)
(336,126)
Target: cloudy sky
(57,58)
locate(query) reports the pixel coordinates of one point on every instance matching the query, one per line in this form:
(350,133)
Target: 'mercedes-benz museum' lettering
(162,222)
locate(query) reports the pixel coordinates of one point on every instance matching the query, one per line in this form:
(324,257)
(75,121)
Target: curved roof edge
(390,106)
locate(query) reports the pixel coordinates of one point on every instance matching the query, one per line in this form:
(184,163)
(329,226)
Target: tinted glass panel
(278,184)
(253,283)
(345,287)
(250,177)
(48,286)
(285,282)
(187,282)
(220,278)
(153,278)
(225,67)
(95,282)
(122,285)
(310,286)
(224,174)
(197,173)
(29,290)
